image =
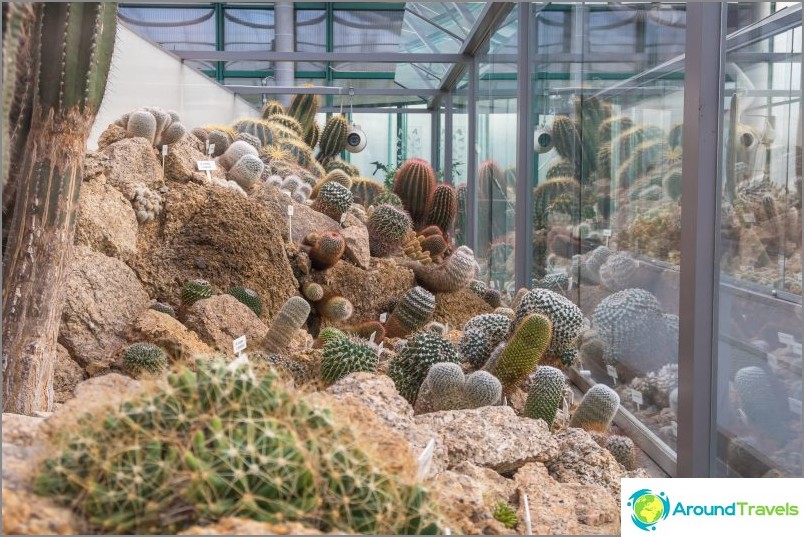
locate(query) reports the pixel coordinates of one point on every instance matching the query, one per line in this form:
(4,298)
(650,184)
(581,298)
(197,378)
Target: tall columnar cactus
(327,250)
(333,200)
(144,357)
(460,218)
(365,330)
(565,316)
(291,317)
(623,450)
(333,163)
(365,190)
(566,138)
(523,351)
(443,209)
(557,195)
(195,290)
(561,168)
(415,183)
(66,48)
(299,151)
(343,356)
(222,441)
(762,402)
(288,122)
(410,367)
(597,409)
(453,274)
(271,108)
(481,334)
(333,138)
(246,171)
(255,127)
(545,394)
(337,176)
(335,308)
(304,107)
(312,137)
(249,297)
(414,310)
(387,226)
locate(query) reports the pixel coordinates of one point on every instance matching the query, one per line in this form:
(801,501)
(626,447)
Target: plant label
(164,150)
(749,218)
(206,165)
(785,339)
(636,397)
(239,344)
(612,372)
(383,317)
(290,210)
(606,232)
(210,149)
(528,521)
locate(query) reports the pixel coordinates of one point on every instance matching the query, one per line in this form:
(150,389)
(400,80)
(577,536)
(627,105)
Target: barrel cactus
(414,310)
(387,226)
(334,163)
(333,137)
(333,200)
(597,409)
(343,356)
(303,107)
(194,291)
(327,250)
(271,108)
(365,190)
(312,291)
(566,318)
(545,394)
(443,209)
(414,183)
(481,334)
(335,308)
(144,357)
(249,297)
(157,125)
(410,367)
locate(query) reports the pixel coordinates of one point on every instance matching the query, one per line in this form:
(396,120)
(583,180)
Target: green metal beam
(220,39)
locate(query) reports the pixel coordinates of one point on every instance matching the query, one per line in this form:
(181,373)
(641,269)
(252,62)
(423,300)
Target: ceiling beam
(357,57)
(328,90)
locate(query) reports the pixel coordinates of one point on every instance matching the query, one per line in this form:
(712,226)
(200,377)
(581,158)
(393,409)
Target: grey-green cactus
(312,291)
(481,389)
(481,334)
(442,389)
(335,308)
(762,402)
(387,226)
(235,152)
(249,139)
(343,356)
(246,171)
(414,310)
(194,291)
(333,200)
(249,297)
(618,272)
(410,367)
(522,353)
(147,204)
(161,307)
(545,394)
(144,357)
(291,317)
(597,409)
(623,450)
(566,318)
(158,126)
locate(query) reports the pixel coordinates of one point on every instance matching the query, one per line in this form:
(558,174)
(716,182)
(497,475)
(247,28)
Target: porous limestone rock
(179,343)
(106,220)
(131,162)
(221,319)
(67,374)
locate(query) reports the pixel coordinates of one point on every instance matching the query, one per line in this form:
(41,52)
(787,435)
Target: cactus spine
(414,183)
(365,190)
(523,352)
(414,310)
(290,318)
(544,396)
(333,137)
(313,135)
(597,409)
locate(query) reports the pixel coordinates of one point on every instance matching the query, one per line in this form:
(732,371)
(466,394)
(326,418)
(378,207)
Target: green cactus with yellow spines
(505,514)
(288,122)
(303,107)
(255,127)
(611,127)
(366,190)
(334,163)
(312,291)
(545,394)
(642,159)
(272,108)
(443,209)
(597,409)
(299,150)
(522,353)
(249,297)
(343,356)
(557,195)
(333,137)
(329,333)
(415,183)
(312,137)
(411,365)
(291,317)
(561,168)
(566,139)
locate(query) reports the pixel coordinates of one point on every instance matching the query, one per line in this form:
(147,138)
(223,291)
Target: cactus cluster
(303,107)
(337,164)
(242,164)
(522,352)
(504,513)
(144,357)
(291,317)
(157,125)
(597,409)
(297,188)
(249,297)
(337,176)
(147,203)
(585,268)
(194,291)
(412,312)
(545,394)
(415,183)
(387,227)
(259,129)
(446,388)
(410,367)
(453,274)
(566,318)
(333,200)
(221,442)
(412,248)
(343,356)
(481,334)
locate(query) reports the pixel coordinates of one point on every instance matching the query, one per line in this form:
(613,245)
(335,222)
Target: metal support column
(448,134)
(701,170)
(285,41)
(219,40)
(799,164)
(523,249)
(435,134)
(471,158)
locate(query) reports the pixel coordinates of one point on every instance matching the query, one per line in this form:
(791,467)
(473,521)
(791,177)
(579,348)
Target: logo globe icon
(648,508)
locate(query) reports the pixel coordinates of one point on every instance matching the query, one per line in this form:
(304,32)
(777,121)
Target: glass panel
(366,31)
(380,130)
(248,29)
(311,36)
(173,28)
(455,17)
(460,152)
(760,326)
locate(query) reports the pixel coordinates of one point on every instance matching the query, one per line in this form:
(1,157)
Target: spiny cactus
(566,318)
(304,107)
(557,195)
(291,317)
(641,160)
(335,308)
(147,204)
(544,397)
(312,136)
(327,250)
(330,333)
(299,151)
(505,514)
(249,297)
(194,291)
(235,152)
(144,357)
(333,200)
(443,208)
(481,389)
(412,248)
(338,164)
(287,122)
(446,388)
(365,330)
(566,139)
(612,127)
(414,183)
(161,307)
(623,450)
(246,171)
(333,137)
(674,137)
(387,226)
(414,310)
(478,287)
(222,442)
(523,351)
(158,126)
(302,193)
(343,356)
(586,268)
(435,245)
(505,312)
(386,197)
(271,108)
(410,367)
(338,176)
(257,128)
(365,190)
(249,139)
(557,282)
(492,203)
(597,409)
(560,168)
(312,291)
(481,334)
(762,402)
(453,274)
(220,140)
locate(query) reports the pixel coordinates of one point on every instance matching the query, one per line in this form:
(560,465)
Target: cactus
(327,250)
(343,356)
(566,318)
(338,164)
(328,334)
(300,153)
(557,282)
(492,204)
(674,137)
(141,124)
(312,136)
(291,317)
(561,168)
(481,334)
(203,441)
(333,200)
(597,409)
(365,190)
(453,274)
(618,272)
(544,397)
(302,193)
(249,139)
(161,307)
(221,140)
(248,297)
(505,312)
(644,157)
(410,367)
(288,122)
(365,330)
(557,195)
(762,402)
(522,353)
(155,124)
(257,128)
(442,389)
(194,291)
(335,308)
(623,450)
(414,183)
(386,197)
(146,203)
(337,176)
(412,248)
(333,137)
(443,209)
(246,171)
(566,139)
(505,514)
(312,291)
(481,389)
(435,245)
(612,127)
(387,227)
(144,357)
(303,107)
(235,152)
(460,218)
(478,287)
(271,108)
(414,310)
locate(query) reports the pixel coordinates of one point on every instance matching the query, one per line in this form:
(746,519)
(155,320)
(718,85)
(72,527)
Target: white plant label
(780,262)
(210,149)
(636,397)
(372,336)
(528,521)
(749,218)
(612,372)
(290,223)
(206,165)
(383,317)
(786,339)
(795,405)
(343,218)
(426,459)
(164,150)
(239,344)
(290,210)
(772,360)
(586,372)
(447,531)
(606,232)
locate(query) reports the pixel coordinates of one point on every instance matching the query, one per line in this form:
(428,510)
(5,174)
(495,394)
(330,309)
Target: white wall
(142,74)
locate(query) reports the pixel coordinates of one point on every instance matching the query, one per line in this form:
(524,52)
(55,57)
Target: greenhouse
(399,268)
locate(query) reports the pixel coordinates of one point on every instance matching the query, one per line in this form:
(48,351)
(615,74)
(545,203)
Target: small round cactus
(343,356)
(442,389)
(566,318)
(336,308)
(387,226)
(327,250)
(481,389)
(597,409)
(333,200)
(312,291)
(144,357)
(158,126)
(328,334)
(248,297)
(481,334)
(623,450)
(411,365)
(235,152)
(246,171)
(195,290)
(161,307)
(544,396)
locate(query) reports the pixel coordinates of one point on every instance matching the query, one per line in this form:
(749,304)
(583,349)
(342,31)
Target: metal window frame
(523,204)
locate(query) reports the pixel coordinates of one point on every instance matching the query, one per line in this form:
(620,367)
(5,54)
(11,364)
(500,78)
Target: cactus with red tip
(327,250)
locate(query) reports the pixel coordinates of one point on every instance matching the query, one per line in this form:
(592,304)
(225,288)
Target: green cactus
(597,409)
(561,168)
(333,137)
(198,448)
(312,291)
(365,330)
(453,274)
(642,159)
(141,124)
(337,176)
(481,389)
(235,152)
(481,334)
(442,389)
(623,450)
(246,171)
(522,353)
(194,291)
(387,227)
(604,166)
(248,297)
(312,136)
(288,122)
(414,183)
(435,245)
(460,218)
(144,357)
(271,108)
(443,209)
(762,402)
(343,356)
(304,107)
(335,308)
(161,307)
(557,282)
(557,195)
(566,139)
(410,367)
(338,164)
(327,250)
(255,127)
(365,190)
(505,514)
(674,137)
(414,310)
(566,318)
(386,198)
(249,139)
(612,127)
(333,200)
(299,151)
(291,318)
(330,333)
(545,394)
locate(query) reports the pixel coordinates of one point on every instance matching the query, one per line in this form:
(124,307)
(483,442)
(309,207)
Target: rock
(492,437)
(467,494)
(25,513)
(238,242)
(91,395)
(179,343)
(566,509)
(112,134)
(106,220)
(221,319)
(22,447)
(581,460)
(67,375)
(181,163)
(20,430)
(370,291)
(246,526)
(132,161)
(458,307)
(103,296)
